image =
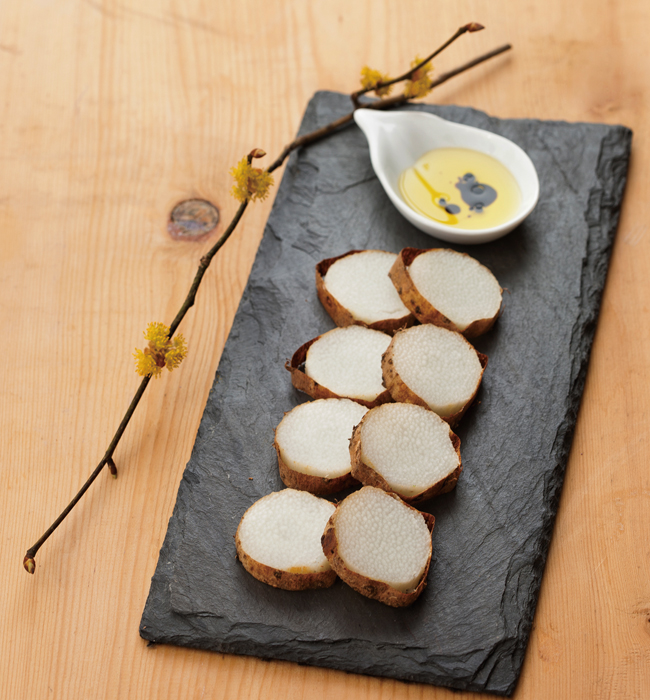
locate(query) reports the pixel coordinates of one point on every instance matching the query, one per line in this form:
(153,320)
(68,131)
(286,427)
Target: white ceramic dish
(398,139)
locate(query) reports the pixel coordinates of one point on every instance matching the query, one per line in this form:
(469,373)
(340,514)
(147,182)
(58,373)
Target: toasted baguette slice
(278,540)
(433,367)
(449,289)
(380,546)
(312,442)
(355,289)
(406,449)
(342,363)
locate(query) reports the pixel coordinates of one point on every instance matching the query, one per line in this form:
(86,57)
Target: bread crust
(342,316)
(318,485)
(279,578)
(303,382)
(367,475)
(423,309)
(401,393)
(377,590)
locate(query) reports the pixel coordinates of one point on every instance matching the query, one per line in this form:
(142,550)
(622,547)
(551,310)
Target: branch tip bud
(256,153)
(473,27)
(29,563)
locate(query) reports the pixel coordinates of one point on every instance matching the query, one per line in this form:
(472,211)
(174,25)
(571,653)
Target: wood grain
(112,111)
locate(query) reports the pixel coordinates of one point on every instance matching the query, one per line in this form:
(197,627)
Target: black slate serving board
(470,627)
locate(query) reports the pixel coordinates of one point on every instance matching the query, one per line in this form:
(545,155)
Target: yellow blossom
(250,183)
(420,82)
(370,78)
(160,352)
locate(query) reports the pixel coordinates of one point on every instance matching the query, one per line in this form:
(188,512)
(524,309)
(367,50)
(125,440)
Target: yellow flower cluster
(250,183)
(370,78)
(420,83)
(160,352)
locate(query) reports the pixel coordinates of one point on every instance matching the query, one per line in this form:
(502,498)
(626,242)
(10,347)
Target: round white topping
(409,446)
(347,361)
(360,283)
(456,285)
(382,538)
(314,437)
(283,530)
(438,365)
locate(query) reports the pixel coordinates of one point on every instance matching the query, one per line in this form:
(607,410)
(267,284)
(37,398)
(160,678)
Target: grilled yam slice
(380,546)
(433,367)
(406,449)
(355,289)
(447,288)
(278,540)
(312,442)
(342,363)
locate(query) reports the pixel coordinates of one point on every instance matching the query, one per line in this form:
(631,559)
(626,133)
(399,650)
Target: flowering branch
(382,84)
(250,184)
(162,351)
(387,103)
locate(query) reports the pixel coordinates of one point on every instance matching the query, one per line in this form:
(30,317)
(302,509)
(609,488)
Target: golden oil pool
(462,188)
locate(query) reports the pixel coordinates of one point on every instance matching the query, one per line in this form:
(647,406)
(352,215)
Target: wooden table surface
(112,111)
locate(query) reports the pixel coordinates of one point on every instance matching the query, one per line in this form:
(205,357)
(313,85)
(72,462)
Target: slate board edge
(591,290)
(612,176)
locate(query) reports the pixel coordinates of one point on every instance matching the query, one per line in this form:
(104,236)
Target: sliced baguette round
(312,442)
(406,449)
(380,546)
(355,289)
(279,540)
(447,288)
(342,363)
(433,367)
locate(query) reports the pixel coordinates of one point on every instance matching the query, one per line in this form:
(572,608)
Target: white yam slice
(342,363)
(433,367)
(312,442)
(355,289)
(279,540)
(406,449)
(380,546)
(450,289)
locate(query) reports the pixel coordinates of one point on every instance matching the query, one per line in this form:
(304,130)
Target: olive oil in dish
(462,188)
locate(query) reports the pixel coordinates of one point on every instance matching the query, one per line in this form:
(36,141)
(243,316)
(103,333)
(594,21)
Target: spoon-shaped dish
(398,139)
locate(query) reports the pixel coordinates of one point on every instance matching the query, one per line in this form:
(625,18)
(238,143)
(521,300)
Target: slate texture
(470,627)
